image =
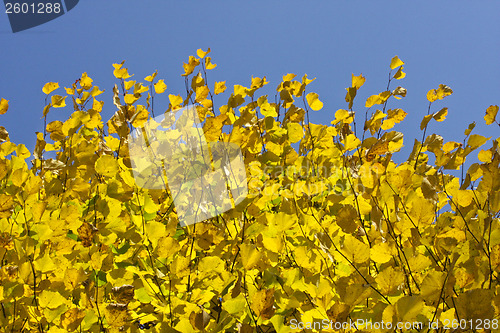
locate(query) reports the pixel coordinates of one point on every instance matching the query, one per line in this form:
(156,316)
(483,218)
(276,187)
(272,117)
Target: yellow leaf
(139,88)
(73,277)
(130,99)
(491,113)
(50,87)
(106,165)
(408,308)
(432,285)
(6,205)
(306,81)
(449,146)
(396,62)
(425,121)
(250,256)
(262,303)
(72,319)
(314,102)
(209,64)
(4,105)
(346,219)
(485,156)
(355,250)
(377,99)
(289,77)
(116,315)
(51,299)
(422,212)
(432,95)
(219,87)
(463,197)
(22,151)
(140,117)
(85,81)
(475,304)
(476,140)
(400,74)
(282,221)
(202,53)
(201,93)
(212,264)
(151,77)
(351,142)
(44,264)
(441,114)
(213,127)
(190,66)
(273,244)
(373,124)
(175,100)
(96,92)
(358,81)
(257,82)
(295,132)
(381,147)
(166,246)
(154,229)
(447,316)
(129,84)
(389,279)
(342,115)
(469,128)
(121,73)
(236,305)
(350,95)
(268,110)
(381,253)
(443,91)
(151,207)
(160,87)
(440,93)
(393,117)
(58,101)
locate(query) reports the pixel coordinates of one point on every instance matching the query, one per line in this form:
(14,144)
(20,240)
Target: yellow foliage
(332,227)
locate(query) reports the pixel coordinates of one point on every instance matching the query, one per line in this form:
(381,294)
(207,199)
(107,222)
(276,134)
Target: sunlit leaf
(200,53)
(314,102)
(50,87)
(358,81)
(400,74)
(160,87)
(396,62)
(491,113)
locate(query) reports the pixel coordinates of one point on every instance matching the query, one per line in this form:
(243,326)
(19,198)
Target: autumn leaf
(219,87)
(396,62)
(58,101)
(6,205)
(50,87)
(314,102)
(160,87)
(86,232)
(262,303)
(491,113)
(4,105)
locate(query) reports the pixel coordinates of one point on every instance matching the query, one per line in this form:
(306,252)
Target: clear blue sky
(451,42)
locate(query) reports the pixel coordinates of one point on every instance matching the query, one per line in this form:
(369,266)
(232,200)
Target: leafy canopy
(332,227)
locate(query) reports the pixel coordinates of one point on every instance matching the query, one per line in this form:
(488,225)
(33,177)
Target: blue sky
(456,43)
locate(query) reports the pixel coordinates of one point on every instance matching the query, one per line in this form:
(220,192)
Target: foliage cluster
(332,227)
